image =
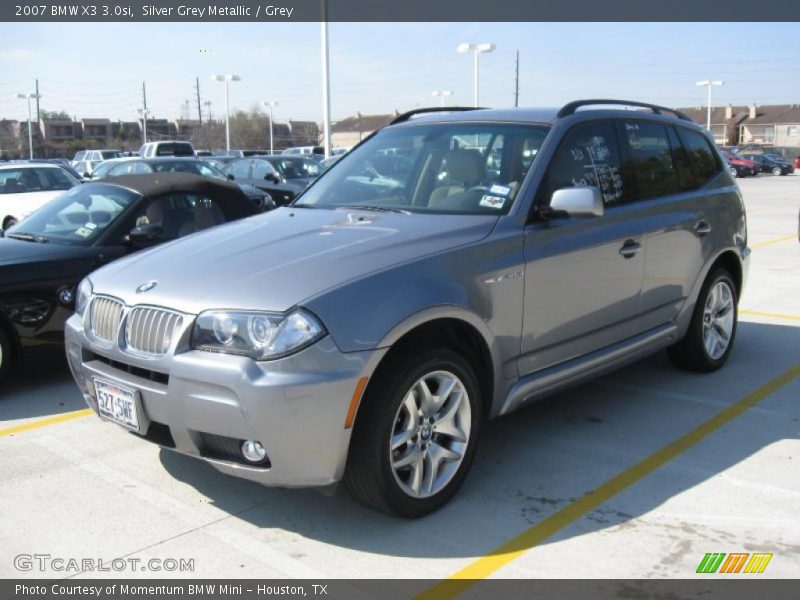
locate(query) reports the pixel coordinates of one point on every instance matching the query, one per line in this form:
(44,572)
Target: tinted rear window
(649,159)
(704,160)
(176,149)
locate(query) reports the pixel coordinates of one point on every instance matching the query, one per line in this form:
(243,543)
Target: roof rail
(421,111)
(571,107)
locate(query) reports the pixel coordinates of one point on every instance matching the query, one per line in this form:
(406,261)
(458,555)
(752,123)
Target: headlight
(261,336)
(83,295)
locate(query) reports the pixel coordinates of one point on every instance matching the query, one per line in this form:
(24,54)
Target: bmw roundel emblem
(146,287)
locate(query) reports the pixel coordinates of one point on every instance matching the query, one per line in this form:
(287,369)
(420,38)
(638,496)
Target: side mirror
(146,234)
(273,177)
(230,177)
(578,201)
(87,175)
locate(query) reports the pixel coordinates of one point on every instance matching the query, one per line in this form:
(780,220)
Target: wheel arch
(457,329)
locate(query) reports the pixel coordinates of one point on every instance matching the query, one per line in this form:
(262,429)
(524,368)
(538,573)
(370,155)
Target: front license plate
(117,403)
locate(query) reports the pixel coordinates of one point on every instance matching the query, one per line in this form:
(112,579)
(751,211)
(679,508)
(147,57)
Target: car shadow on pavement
(39,385)
(532,464)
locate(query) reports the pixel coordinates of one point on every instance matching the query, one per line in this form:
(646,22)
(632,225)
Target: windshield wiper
(303,205)
(377,208)
(28,237)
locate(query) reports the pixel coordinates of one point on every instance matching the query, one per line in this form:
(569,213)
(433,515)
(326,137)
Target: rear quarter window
(649,159)
(702,157)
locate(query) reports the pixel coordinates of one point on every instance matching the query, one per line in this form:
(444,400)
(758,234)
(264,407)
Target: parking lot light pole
(270,105)
(326,85)
(709,84)
(144,113)
(227,79)
(476,49)
(29,97)
(442,94)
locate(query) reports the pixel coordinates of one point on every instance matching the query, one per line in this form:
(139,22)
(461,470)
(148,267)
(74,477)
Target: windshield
(296,168)
(463,168)
(33,179)
(103,168)
(108,154)
(78,217)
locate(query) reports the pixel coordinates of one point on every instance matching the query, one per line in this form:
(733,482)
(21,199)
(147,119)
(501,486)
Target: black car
(259,172)
(300,170)
(45,257)
(140,166)
(768,164)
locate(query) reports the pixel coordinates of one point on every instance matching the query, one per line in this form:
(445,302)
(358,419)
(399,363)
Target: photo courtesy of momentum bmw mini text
(416,301)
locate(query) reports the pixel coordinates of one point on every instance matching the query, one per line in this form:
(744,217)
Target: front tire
(709,340)
(777,171)
(734,172)
(415,434)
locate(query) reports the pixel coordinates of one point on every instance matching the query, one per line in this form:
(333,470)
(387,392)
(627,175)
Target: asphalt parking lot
(75,487)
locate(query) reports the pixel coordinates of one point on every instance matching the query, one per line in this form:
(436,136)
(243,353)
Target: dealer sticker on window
(492,201)
(500,190)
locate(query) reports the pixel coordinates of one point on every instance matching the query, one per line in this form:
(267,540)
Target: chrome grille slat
(150,330)
(105,318)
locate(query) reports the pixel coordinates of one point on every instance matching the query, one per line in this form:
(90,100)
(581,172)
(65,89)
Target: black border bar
(398,10)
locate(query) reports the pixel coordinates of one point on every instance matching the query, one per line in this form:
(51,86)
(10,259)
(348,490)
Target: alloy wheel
(718,320)
(430,434)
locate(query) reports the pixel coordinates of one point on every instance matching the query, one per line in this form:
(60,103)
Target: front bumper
(296,406)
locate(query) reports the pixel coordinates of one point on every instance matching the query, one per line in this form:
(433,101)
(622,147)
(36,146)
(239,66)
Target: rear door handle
(630,248)
(702,228)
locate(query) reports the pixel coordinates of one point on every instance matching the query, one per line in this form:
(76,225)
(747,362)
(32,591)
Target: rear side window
(174,149)
(240,169)
(686,179)
(588,155)
(704,161)
(649,159)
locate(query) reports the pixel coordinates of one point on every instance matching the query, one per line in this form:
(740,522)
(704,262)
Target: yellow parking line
(77,414)
(515,547)
(771,315)
(785,238)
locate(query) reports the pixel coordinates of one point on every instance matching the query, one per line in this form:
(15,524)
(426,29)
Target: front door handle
(630,248)
(702,228)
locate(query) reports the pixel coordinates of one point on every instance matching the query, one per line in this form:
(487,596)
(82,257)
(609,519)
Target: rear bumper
(295,407)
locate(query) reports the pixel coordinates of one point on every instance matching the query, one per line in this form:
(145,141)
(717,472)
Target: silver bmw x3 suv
(455,266)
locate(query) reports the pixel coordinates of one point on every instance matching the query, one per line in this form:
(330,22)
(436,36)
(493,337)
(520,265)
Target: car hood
(280,259)
(19,251)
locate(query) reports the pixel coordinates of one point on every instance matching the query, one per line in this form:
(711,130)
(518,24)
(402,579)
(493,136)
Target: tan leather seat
(467,167)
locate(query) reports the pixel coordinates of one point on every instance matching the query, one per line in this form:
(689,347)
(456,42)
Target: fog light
(253,451)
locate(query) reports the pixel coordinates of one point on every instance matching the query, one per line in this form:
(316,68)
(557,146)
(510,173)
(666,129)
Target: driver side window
(588,155)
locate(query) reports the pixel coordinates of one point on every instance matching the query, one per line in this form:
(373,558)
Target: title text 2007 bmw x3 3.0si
(451,268)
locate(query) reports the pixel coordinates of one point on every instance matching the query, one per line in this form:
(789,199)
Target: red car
(738,166)
(797,162)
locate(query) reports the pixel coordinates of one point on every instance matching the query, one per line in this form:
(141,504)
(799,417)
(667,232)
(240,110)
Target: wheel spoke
(402,437)
(417,473)
(424,396)
(446,422)
(409,457)
(441,453)
(446,387)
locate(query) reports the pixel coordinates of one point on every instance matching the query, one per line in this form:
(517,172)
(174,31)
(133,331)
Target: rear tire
(415,434)
(777,171)
(709,340)
(733,171)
